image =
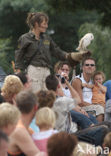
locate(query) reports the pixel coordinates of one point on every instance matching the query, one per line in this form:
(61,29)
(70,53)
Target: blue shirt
(108,93)
(34,127)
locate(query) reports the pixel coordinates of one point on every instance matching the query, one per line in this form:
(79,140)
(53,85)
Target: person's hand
(84,112)
(65,75)
(80,110)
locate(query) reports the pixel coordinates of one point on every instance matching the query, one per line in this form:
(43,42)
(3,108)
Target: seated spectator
(21,142)
(62,70)
(9,116)
(11,87)
(45,119)
(98,90)
(3,144)
(88,68)
(61,144)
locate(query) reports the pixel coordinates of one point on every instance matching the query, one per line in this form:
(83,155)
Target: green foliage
(100,47)
(13,15)
(103,7)
(6,55)
(66,25)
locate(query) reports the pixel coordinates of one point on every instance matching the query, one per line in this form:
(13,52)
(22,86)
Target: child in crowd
(98,89)
(45,119)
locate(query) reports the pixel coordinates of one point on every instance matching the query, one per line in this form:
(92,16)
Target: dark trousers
(93,135)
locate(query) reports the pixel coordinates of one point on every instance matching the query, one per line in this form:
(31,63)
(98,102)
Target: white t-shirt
(86,92)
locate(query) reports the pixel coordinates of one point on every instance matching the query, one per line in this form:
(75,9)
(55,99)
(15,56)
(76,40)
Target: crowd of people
(44,114)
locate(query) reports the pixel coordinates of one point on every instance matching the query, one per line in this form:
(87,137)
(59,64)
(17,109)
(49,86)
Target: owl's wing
(79,48)
(86,42)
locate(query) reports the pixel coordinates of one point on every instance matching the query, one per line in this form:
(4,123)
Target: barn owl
(85,41)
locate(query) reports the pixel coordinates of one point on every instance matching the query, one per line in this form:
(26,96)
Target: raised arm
(73,92)
(102,88)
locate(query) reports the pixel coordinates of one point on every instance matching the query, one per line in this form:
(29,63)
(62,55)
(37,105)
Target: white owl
(85,41)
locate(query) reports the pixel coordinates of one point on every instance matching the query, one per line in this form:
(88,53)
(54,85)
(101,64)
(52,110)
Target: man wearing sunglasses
(88,68)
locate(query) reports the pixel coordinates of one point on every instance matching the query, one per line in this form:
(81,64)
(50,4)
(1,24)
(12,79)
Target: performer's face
(43,26)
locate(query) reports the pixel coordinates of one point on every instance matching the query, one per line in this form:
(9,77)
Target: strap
(39,45)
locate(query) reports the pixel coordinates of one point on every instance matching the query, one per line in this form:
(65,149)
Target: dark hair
(3,136)
(61,144)
(46,98)
(38,17)
(87,58)
(51,82)
(26,100)
(22,76)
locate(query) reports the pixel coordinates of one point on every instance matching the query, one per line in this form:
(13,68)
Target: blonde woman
(11,87)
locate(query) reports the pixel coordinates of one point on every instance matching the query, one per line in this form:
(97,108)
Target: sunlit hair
(38,17)
(61,144)
(12,85)
(46,98)
(45,118)
(57,66)
(98,73)
(9,114)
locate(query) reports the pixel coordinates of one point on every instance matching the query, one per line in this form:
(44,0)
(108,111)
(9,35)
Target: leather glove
(76,57)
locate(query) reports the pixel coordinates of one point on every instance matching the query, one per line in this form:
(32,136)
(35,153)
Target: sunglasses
(92,65)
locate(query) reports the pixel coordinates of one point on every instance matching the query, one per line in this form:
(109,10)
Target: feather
(85,41)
